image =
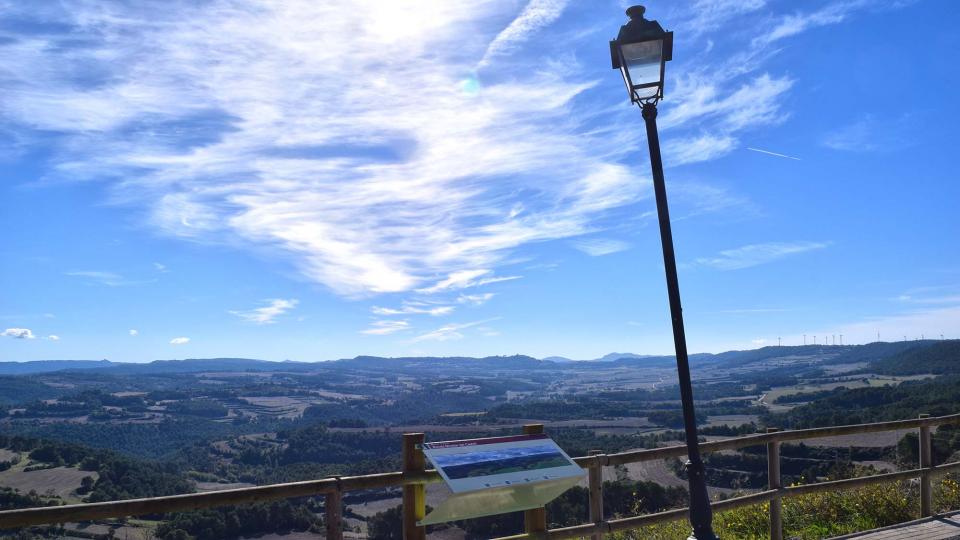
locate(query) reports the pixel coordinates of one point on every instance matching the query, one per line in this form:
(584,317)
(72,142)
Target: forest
(124,431)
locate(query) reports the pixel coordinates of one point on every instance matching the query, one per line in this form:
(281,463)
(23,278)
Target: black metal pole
(701,515)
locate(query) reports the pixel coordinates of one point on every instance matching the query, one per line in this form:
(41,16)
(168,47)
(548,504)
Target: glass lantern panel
(643,63)
(644,93)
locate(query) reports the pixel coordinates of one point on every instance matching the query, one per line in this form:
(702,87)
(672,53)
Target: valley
(107,431)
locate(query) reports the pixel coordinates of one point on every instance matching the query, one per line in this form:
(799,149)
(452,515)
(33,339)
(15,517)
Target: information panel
(497,475)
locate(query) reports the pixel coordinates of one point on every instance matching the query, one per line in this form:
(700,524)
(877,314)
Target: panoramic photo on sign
(496,475)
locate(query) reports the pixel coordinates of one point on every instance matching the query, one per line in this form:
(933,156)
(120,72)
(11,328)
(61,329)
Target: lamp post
(641,52)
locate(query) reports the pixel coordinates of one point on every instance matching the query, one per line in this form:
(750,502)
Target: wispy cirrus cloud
(411,308)
(757,254)
(535,15)
(752,103)
(936,295)
(279,126)
(452,331)
(110,279)
(732,93)
(698,198)
(870,134)
(475,299)
(704,147)
(596,247)
(793,24)
(465,279)
(268,313)
(180,341)
(708,15)
(386,327)
(911,324)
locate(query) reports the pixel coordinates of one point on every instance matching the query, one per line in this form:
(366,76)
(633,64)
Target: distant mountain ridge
(835,354)
(47,366)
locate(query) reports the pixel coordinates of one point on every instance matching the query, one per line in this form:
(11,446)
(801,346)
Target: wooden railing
(414,478)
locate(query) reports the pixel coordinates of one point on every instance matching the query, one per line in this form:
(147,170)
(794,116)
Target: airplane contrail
(773,153)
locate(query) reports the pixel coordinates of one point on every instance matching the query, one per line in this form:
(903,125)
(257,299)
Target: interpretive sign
(497,475)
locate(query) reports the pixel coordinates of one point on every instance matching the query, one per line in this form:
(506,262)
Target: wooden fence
(414,477)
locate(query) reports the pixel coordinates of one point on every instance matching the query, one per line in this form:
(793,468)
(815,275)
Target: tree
(386,525)
(86,485)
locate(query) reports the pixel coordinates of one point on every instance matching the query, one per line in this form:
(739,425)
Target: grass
(59,481)
(818,515)
(861,382)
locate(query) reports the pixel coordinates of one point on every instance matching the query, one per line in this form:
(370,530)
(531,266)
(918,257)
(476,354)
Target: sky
(317,180)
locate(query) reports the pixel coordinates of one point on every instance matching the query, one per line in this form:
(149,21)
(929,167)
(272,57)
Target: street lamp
(641,52)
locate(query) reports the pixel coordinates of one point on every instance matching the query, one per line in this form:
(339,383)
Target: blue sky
(317,180)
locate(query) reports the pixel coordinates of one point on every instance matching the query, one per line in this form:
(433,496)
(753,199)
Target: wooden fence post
(534,521)
(596,494)
(926,461)
(774,482)
(414,495)
(334,510)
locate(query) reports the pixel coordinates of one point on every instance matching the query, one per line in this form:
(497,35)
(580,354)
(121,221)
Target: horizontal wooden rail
(635,522)
(761,439)
(679,514)
(10,519)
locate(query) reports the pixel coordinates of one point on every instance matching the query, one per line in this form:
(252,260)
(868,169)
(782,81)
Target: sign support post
(414,495)
(535,520)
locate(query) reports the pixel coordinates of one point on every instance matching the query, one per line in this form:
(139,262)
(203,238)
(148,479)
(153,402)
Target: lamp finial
(636,12)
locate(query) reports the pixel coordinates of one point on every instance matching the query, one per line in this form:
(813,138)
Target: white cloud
(709,15)
(413,309)
(465,279)
(382,328)
(160,267)
(106,278)
(448,332)
(757,254)
(134,332)
(180,341)
(267,314)
(110,279)
(856,137)
(475,299)
(695,149)
(930,323)
(596,247)
(53,337)
(796,23)
(18,333)
(696,198)
(751,311)
(939,295)
(535,15)
(701,97)
(342,138)
(871,134)
(324,132)
(487,331)
(758,341)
